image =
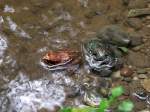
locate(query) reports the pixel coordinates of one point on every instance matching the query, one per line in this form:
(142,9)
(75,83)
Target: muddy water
(29,28)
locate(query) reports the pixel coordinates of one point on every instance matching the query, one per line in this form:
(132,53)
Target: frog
(64,59)
(102,53)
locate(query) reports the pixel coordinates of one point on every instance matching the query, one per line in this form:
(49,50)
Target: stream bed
(31,28)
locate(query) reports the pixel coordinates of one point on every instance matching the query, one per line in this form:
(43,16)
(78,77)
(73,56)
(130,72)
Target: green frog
(102,54)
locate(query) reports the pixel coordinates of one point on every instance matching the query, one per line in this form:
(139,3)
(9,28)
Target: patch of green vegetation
(125,106)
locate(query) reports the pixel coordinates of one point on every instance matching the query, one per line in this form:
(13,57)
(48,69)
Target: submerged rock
(102,54)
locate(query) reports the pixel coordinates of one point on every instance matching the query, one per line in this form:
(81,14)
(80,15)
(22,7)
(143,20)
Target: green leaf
(84,109)
(118,91)
(66,109)
(103,105)
(126,106)
(123,49)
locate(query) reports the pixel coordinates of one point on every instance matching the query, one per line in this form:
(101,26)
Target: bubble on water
(9,9)
(3,45)
(16,29)
(31,96)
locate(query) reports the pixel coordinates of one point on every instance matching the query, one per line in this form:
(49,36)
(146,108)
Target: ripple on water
(3,45)
(31,96)
(9,9)
(16,29)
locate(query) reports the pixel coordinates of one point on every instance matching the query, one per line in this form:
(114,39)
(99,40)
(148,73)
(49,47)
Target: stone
(135,23)
(145,83)
(126,72)
(142,76)
(141,71)
(136,39)
(135,78)
(138,59)
(137,4)
(116,74)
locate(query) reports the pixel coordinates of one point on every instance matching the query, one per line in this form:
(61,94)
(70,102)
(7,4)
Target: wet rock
(137,4)
(136,39)
(138,59)
(126,72)
(145,83)
(135,23)
(141,71)
(139,12)
(114,35)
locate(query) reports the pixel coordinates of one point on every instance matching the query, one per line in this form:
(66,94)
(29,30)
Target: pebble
(145,83)
(135,78)
(126,72)
(116,74)
(142,76)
